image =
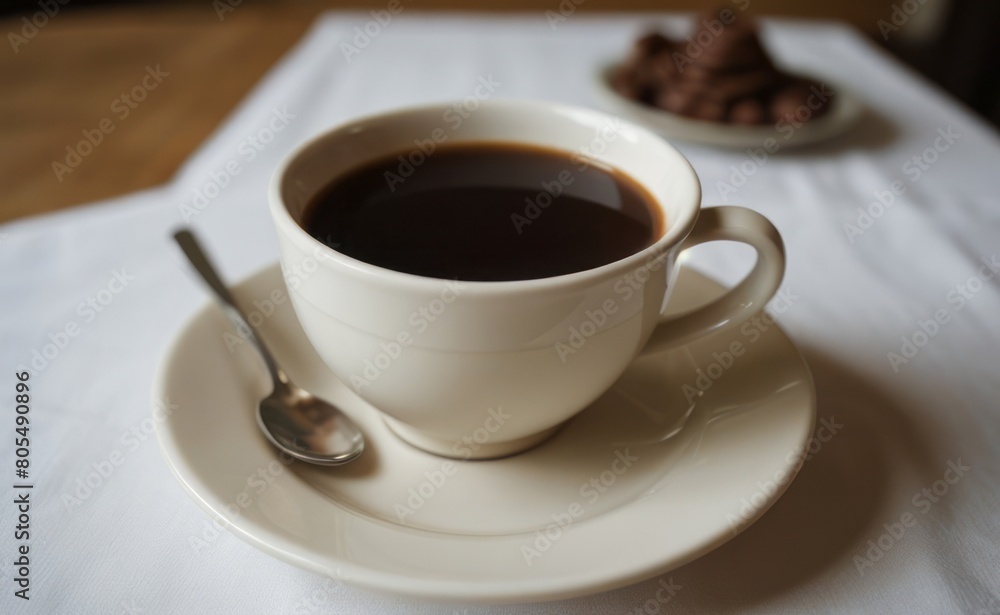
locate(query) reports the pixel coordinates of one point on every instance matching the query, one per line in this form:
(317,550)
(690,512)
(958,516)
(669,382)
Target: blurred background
(64,60)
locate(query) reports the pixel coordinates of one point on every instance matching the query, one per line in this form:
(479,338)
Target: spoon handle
(192,249)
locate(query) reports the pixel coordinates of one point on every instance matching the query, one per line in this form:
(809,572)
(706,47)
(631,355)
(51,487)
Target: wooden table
(85,71)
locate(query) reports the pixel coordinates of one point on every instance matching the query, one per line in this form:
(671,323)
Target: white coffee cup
(486,369)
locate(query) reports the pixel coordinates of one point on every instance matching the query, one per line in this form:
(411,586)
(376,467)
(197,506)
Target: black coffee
(485,211)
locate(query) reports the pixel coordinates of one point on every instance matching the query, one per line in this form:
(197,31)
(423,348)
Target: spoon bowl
(308,427)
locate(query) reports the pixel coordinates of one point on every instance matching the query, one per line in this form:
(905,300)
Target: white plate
(693,478)
(845,112)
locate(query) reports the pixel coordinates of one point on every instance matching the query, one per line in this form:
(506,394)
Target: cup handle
(746,298)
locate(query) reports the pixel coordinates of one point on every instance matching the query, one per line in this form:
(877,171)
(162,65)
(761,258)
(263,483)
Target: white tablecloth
(856,531)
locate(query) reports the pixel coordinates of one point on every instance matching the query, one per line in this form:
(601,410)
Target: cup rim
(661,248)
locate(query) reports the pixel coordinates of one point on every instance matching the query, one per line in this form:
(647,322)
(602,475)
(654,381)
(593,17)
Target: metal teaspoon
(302,425)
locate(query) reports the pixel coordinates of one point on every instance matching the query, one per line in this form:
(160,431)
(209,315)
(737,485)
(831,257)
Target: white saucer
(672,482)
(845,112)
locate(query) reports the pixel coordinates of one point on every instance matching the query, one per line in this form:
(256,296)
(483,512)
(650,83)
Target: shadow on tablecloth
(873,131)
(839,500)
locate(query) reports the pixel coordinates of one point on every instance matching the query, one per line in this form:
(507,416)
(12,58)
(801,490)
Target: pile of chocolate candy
(720,74)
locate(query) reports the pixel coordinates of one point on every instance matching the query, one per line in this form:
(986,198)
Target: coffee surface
(485,212)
